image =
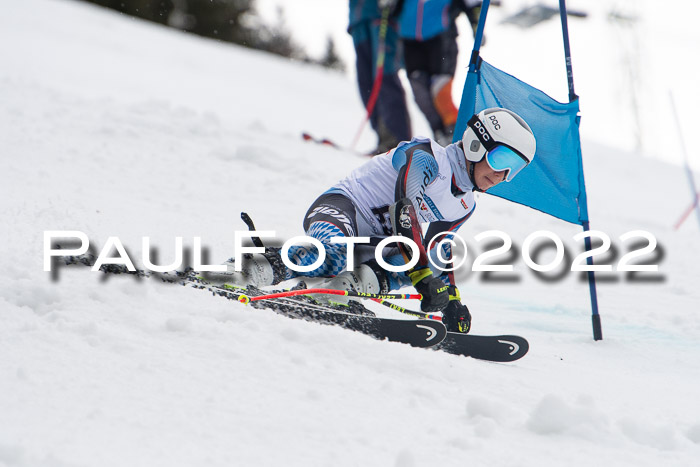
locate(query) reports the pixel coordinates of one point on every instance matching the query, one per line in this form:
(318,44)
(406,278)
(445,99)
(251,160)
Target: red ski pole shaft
(687,212)
(377,85)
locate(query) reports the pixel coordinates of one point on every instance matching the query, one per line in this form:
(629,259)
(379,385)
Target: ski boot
(258,270)
(363,279)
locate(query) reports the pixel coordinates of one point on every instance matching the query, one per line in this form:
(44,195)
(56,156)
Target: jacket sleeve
(417,168)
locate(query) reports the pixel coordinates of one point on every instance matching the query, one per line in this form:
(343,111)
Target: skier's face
(485,177)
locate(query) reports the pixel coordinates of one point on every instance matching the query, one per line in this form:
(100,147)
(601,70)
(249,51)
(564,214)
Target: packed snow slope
(115,127)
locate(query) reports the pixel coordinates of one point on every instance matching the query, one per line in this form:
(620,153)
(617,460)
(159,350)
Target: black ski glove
(456,316)
(434,291)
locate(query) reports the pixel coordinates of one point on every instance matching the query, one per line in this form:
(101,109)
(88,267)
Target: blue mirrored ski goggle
(502,158)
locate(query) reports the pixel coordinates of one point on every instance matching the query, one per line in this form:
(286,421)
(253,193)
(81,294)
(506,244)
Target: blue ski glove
(456,316)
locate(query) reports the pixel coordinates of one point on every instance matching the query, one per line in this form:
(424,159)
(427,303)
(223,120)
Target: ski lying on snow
(505,348)
(416,332)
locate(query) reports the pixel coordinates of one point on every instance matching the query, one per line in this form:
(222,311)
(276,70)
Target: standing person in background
(389,117)
(429,32)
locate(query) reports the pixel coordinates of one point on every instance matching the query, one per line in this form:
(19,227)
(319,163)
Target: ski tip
(244,299)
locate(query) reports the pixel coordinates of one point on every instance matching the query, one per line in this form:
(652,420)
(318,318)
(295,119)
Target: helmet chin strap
(470,170)
(471,177)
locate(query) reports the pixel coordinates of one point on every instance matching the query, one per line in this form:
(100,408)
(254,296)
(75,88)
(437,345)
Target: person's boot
(363,279)
(258,270)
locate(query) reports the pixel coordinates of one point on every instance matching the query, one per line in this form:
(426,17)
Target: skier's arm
(433,235)
(456,315)
(405,224)
(417,168)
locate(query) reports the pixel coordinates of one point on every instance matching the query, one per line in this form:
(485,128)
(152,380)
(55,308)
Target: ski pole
(377,85)
(687,212)
(406,311)
(688,171)
(346,293)
(249,222)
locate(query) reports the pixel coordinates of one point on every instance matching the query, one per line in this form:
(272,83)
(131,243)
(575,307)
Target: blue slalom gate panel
(554,182)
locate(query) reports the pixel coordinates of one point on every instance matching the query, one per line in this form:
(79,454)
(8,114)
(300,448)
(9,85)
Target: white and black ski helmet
(504,136)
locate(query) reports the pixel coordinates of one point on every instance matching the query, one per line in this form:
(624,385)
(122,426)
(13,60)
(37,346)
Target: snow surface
(116,127)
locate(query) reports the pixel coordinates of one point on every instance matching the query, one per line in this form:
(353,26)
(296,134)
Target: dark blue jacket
(363,10)
(424,19)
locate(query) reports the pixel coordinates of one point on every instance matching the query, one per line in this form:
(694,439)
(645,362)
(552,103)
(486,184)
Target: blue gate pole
(479,34)
(595,315)
(567,50)
(468,102)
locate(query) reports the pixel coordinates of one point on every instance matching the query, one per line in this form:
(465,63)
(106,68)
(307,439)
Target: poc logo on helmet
(494,122)
(482,130)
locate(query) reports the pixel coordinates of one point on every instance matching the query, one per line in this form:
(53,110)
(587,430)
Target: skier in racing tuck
(392,194)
